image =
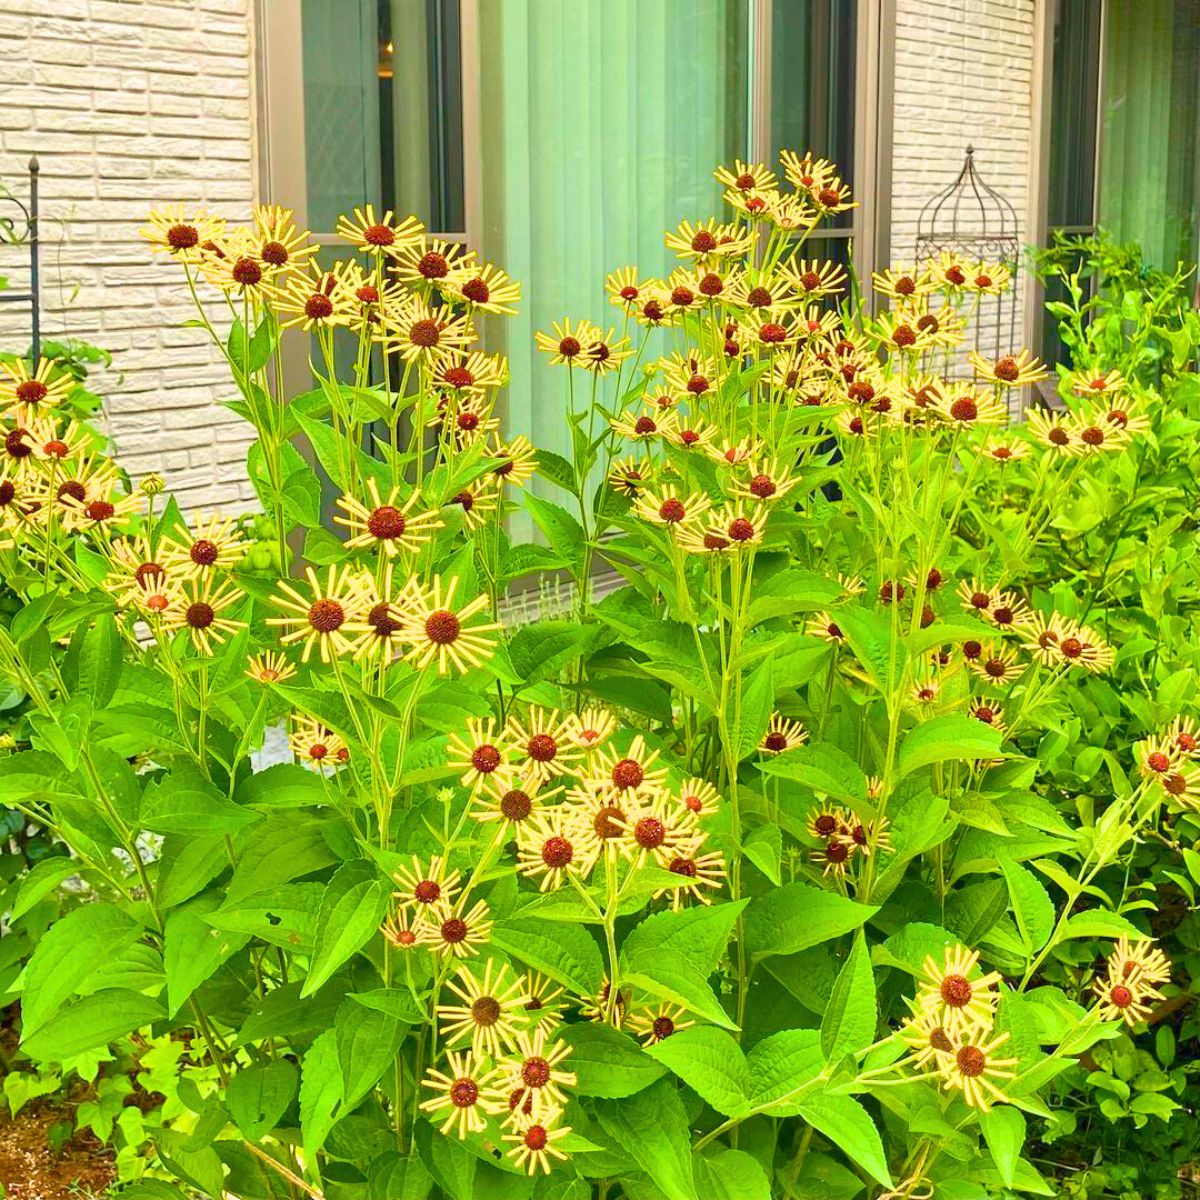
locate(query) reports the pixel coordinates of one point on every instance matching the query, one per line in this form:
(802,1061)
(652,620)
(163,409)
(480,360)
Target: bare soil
(29,1168)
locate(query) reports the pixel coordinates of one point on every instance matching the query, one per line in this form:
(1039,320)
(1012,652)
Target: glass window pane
(1074,96)
(383,109)
(813,56)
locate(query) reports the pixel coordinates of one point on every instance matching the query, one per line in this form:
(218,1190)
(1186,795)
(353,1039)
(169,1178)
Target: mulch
(31,1170)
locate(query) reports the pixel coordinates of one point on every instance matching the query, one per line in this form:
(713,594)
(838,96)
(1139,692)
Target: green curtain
(602,123)
(1150,131)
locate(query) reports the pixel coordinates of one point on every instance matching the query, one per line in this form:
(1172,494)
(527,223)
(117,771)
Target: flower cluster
(1131,981)
(1171,761)
(951,1032)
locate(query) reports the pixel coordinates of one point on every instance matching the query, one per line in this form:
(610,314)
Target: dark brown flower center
(454,930)
(326,616)
(485,1012)
(628,774)
(515,805)
(956,991)
(382,622)
(379,235)
(182,237)
(428,891)
(476,291)
(31,391)
(557,852)
(200,615)
(971,1061)
(464,1093)
(535,1072)
(386,523)
(485,759)
(1007,369)
(649,833)
(318,306)
(247,273)
(542,747)
(203,552)
(425,333)
(442,627)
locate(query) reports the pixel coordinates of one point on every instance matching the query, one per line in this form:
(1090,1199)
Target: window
(561,137)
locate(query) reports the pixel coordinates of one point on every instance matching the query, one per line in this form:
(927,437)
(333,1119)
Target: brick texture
(130,105)
(963,77)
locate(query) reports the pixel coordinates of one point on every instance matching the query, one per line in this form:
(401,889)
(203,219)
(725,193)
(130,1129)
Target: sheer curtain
(601,126)
(1151,127)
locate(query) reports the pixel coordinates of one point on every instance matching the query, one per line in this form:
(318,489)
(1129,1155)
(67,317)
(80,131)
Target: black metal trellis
(975,222)
(30,235)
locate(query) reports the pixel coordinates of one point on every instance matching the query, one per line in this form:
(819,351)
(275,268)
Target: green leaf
(652,1128)
(563,531)
(285,916)
(824,768)
(193,949)
(1096,923)
(184,802)
(670,975)
(41,880)
(849,1020)
(100,661)
(711,1063)
(541,649)
(849,1126)
(368,1041)
(90,1023)
(869,635)
(352,907)
(568,954)
(320,1091)
(797,916)
(284,785)
(780,1067)
(1004,1131)
(764,848)
(1032,906)
(399,1177)
(71,950)
(732,1175)
(949,738)
(608,1063)
(757,703)
(284,847)
(258,1096)
(699,934)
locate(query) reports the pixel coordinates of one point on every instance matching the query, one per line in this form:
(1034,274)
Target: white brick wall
(131,104)
(963,76)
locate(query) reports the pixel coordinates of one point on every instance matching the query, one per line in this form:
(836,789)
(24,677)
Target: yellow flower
(547,851)
(448,636)
(654,828)
(465,1095)
(812,278)
(668,508)
(656,1024)
(832,196)
(1141,961)
(316,745)
(517,461)
(628,476)
(477,502)
(422,886)
(485,287)
(25,396)
(805,172)
(949,271)
(535,1074)
(1095,382)
(623,288)
(1098,434)
(180,233)
(280,244)
(379,235)
(746,177)
(630,773)
(605,352)
(512,796)
(699,796)
(380,611)
(478,753)
(310,299)
(925,1037)
(642,427)
(709,240)
(591,728)
(534,1143)
(234,266)
(1009,371)
(387,524)
(996,665)
(988,278)
(1083,647)
(768,482)
(700,873)
(457,932)
(961,1003)
(543,746)
(270,667)
(1129,1000)
(420,332)
(566,344)
(204,601)
(971,1066)
(430,262)
(1056,431)
(492,1009)
(469,372)
(782,734)
(903,284)
(1004,450)
(323,618)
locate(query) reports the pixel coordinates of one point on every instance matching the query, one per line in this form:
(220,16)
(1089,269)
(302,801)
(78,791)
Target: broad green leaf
(90,1023)
(652,1127)
(670,975)
(72,948)
(972,910)
(764,848)
(798,915)
(285,916)
(568,954)
(284,847)
(910,945)
(193,949)
(320,1091)
(868,633)
(396,1002)
(948,738)
(849,1021)
(711,1063)
(848,1125)
(699,934)
(368,1041)
(284,785)
(608,1063)
(187,866)
(1095,923)
(258,1096)
(1032,907)
(100,661)
(40,881)
(823,767)
(563,531)
(780,1067)
(541,649)
(1004,1131)
(731,1175)
(757,703)
(189,805)
(399,1177)
(354,903)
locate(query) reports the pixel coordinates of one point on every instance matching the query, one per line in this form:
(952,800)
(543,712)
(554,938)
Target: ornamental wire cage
(975,222)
